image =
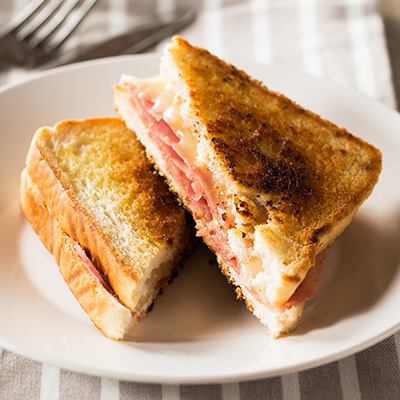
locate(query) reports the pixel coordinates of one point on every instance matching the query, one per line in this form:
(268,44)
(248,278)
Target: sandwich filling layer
(90,266)
(235,240)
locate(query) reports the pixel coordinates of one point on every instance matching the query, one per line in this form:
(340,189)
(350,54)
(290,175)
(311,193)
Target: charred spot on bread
(242,207)
(288,173)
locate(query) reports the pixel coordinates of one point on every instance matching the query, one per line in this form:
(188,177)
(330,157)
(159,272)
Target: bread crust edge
(103,308)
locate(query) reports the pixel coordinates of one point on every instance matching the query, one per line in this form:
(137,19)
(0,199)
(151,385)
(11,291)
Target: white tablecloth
(342,40)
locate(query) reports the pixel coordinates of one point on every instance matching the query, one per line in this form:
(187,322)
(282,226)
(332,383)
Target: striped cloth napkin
(342,40)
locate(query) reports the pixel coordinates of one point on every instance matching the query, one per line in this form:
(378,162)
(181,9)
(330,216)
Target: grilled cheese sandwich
(269,184)
(114,229)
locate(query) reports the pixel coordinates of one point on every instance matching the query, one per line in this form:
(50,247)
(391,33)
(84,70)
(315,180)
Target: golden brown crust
(126,162)
(310,172)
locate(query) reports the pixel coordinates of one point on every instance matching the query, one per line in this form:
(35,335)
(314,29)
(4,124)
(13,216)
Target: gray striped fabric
(342,40)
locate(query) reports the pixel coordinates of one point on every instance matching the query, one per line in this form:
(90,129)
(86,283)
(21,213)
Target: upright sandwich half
(112,225)
(270,184)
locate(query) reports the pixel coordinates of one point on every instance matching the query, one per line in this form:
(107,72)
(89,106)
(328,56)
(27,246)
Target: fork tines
(47,23)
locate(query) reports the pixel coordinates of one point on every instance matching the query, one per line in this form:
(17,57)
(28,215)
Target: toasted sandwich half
(114,229)
(270,184)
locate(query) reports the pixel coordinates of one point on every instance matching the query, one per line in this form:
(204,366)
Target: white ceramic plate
(197,331)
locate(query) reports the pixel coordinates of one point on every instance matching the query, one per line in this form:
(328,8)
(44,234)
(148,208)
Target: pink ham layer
(86,260)
(198,192)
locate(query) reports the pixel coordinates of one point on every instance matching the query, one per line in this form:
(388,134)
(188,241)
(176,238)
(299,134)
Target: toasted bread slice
(115,230)
(269,183)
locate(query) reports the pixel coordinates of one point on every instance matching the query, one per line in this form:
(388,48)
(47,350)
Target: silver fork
(35,34)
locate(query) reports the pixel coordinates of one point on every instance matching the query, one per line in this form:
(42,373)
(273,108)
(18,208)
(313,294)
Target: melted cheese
(167,106)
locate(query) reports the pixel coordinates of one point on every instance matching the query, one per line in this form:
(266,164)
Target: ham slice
(309,286)
(86,260)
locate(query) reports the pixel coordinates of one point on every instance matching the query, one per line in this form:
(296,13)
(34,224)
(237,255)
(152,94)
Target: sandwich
(270,184)
(115,230)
